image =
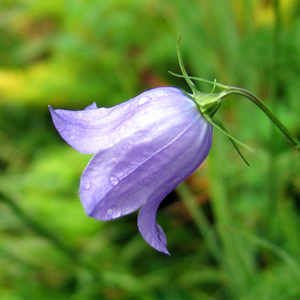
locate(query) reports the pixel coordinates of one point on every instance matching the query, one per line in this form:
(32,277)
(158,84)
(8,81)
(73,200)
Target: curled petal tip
(154,236)
(152,233)
(163,240)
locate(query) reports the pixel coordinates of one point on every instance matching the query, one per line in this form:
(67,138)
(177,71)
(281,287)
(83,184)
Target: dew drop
(85,184)
(144,100)
(113,212)
(114,180)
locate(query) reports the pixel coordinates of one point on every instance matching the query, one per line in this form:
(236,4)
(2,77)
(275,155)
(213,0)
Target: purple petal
(83,129)
(92,106)
(133,173)
(188,151)
(92,130)
(122,161)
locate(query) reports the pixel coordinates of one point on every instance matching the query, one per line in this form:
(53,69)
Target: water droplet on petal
(114,180)
(85,183)
(144,100)
(113,212)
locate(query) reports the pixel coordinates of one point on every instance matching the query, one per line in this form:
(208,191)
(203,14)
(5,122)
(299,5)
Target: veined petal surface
(144,148)
(178,160)
(141,169)
(95,129)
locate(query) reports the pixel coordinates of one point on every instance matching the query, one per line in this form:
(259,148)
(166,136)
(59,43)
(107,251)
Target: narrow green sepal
(183,70)
(233,139)
(220,124)
(214,83)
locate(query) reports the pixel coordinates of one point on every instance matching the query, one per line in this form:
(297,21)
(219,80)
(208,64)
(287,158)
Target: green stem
(230,90)
(203,226)
(272,179)
(261,105)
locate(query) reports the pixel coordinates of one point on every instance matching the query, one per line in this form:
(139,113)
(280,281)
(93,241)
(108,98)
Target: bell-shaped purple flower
(143,149)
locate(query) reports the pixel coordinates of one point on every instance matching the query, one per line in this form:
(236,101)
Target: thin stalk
(267,111)
(274,84)
(201,222)
(236,259)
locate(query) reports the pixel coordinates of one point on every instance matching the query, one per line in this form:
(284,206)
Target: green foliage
(234,234)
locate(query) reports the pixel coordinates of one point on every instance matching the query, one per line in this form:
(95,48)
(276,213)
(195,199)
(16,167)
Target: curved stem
(265,109)
(199,218)
(239,91)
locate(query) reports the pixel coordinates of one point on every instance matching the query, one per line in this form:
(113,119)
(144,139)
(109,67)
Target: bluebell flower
(143,149)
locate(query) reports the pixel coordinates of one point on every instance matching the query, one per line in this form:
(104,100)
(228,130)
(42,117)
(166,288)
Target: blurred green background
(233,231)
